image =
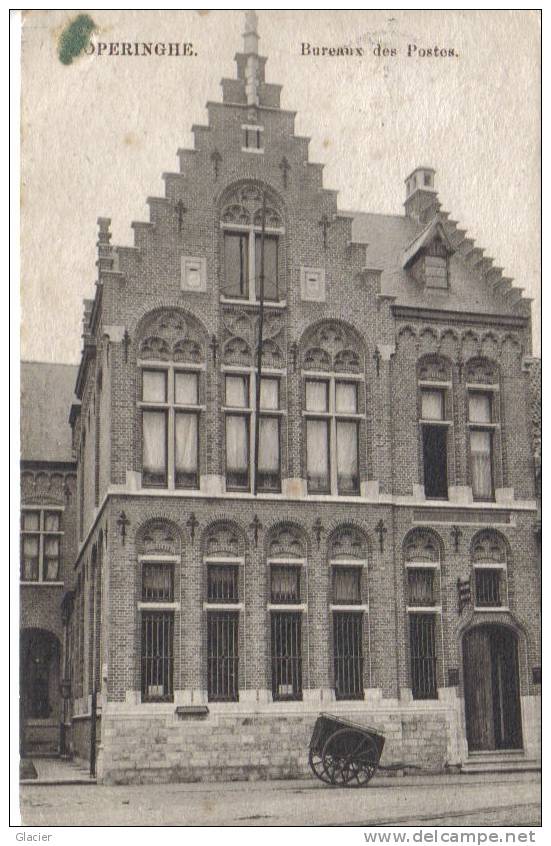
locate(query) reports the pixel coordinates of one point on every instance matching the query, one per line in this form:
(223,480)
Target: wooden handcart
(343,753)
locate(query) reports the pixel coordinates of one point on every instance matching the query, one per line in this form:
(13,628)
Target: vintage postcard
(280,418)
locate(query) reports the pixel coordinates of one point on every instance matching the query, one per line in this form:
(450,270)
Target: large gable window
(245,251)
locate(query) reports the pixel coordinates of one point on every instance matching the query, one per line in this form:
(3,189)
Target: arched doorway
(39,691)
(492,695)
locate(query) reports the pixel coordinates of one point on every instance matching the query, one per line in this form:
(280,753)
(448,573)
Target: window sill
(246,301)
(424,609)
(158,606)
(223,606)
(42,584)
(287,606)
(350,607)
(491,608)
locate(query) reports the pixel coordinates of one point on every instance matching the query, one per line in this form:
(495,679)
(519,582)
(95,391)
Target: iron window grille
(223,656)
(223,583)
(285,584)
(422,633)
(40,545)
(347,585)
(157,656)
(170,412)
(157,582)
(348,654)
(488,587)
(286,656)
(420,586)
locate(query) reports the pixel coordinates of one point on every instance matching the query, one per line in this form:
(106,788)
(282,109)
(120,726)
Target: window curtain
(347,584)
(420,587)
(316,396)
(31,521)
(51,522)
(317,457)
(346,399)
(185,388)
(347,456)
(154,444)
(30,559)
(285,584)
(154,386)
(268,448)
(236,391)
(269,393)
(432,405)
(237,444)
(186,447)
(481,464)
(479,408)
(51,559)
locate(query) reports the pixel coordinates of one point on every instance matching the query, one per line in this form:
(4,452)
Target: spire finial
(250,36)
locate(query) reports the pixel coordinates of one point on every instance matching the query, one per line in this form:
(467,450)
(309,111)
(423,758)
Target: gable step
(457,237)
(475,255)
(466,247)
(503,286)
(484,265)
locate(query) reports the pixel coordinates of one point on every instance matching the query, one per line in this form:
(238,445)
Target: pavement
(457,800)
(59,771)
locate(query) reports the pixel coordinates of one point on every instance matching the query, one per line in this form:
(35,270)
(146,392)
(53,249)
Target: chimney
(421,197)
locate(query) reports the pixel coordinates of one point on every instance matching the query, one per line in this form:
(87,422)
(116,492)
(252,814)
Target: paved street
(505,799)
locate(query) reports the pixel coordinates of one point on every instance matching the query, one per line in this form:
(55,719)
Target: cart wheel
(350,758)
(315,760)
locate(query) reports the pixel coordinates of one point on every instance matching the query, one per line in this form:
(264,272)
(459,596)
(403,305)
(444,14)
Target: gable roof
(47,392)
(476,284)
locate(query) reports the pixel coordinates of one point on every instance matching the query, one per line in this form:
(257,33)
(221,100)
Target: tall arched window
(423,597)
(241,220)
(435,415)
(171,399)
(333,370)
(483,425)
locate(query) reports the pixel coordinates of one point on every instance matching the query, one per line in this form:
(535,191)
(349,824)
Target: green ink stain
(74,38)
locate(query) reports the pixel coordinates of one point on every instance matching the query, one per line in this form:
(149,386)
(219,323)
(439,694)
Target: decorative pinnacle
(250,36)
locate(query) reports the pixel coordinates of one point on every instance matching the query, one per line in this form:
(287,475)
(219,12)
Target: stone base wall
(80,737)
(140,748)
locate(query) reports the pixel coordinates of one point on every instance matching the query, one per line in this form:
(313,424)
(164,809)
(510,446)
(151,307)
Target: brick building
(378,559)
(48,549)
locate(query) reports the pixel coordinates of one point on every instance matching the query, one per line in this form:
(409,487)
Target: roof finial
(250,36)
(250,47)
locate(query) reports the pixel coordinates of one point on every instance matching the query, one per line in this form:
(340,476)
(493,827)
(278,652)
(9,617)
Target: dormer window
(427,257)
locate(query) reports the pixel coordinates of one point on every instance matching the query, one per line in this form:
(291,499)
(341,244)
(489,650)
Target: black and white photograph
(276,553)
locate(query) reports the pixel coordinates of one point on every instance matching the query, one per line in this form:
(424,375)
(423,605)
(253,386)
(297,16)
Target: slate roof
(475,286)
(47,392)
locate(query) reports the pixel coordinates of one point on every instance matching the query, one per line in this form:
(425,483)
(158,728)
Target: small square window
(154,386)
(223,583)
(285,584)
(347,585)
(432,405)
(317,395)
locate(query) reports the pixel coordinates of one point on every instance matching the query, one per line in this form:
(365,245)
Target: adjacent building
(366,547)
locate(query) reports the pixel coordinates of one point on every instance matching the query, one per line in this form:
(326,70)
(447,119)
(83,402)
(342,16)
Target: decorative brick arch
(287,540)
(332,345)
(422,545)
(241,203)
(488,545)
(159,536)
(223,537)
(482,370)
(171,334)
(348,541)
(434,368)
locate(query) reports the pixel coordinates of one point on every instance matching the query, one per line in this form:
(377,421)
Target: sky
(98,133)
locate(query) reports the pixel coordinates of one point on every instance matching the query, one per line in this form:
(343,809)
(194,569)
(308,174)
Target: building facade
(367,546)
